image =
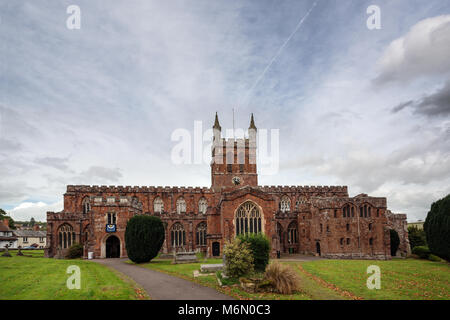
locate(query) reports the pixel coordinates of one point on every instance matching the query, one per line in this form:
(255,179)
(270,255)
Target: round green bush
(75,251)
(422,251)
(395,241)
(238,259)
(432,257)
(144,237)
(260,246)
(437,228)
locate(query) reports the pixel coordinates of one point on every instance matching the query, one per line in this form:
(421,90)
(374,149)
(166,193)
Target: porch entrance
(112,247)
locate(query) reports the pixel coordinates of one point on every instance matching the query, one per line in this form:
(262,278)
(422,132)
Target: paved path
(298,258)
(161,286)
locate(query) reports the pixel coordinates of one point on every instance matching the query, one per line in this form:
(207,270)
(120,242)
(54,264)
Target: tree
(238,258)
(437,228)
(416,237)
(144,237)
(3,216)
(260,246)
(395,241)
(32,222)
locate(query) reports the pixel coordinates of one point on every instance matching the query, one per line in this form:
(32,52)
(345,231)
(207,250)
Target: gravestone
(6,253)
(185,257)
(211,267)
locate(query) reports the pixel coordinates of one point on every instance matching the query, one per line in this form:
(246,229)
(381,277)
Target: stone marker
(185,257)
(211,267)
(6,253)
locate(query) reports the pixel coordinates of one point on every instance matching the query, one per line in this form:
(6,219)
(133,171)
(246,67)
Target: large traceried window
(178,235)
(285,204)
(181,205)
(293,233)
(86,205)
(201,234)
(66,236)
(158,205)
(202,206)
(248,219)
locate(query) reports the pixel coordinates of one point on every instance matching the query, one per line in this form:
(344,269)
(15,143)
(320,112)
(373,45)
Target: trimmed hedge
(144,237)
(422,251)
(437,228)
(260,246)
(75,251)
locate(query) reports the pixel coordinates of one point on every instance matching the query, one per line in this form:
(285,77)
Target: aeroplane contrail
(278,52)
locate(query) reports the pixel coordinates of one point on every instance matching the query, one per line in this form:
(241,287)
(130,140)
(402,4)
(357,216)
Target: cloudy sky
(369,109)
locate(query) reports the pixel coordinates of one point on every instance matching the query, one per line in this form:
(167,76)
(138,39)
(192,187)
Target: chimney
(36,227)
(6,222)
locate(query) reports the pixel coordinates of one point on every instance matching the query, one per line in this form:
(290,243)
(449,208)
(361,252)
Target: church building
(316,220)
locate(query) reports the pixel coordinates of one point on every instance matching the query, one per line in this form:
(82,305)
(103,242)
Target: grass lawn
(38,278)
(186,271)
(401,279)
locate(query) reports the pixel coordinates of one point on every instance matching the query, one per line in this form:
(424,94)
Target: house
(7,236)
(418,224)
(35,238)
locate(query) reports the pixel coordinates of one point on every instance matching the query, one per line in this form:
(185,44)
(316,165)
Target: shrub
(283,278)
(437,228)
(416,237)
(260,246)
(144,237)
(395,241)
(432,257)
(422,251)
(238,259)
(75,251)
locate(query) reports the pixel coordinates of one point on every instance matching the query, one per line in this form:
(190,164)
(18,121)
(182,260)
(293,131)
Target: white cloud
(423,51)
(37,210)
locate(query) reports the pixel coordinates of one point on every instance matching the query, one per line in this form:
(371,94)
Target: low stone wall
(356,256)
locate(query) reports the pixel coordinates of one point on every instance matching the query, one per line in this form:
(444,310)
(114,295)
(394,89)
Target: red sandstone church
(319,220)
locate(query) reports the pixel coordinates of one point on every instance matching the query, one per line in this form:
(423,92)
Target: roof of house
(30,233)
(8,238)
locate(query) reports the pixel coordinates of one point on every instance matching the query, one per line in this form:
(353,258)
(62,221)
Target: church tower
(233,160)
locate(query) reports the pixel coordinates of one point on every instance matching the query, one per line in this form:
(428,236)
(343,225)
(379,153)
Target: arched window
(292,233)
(181,205)
(347,227)
(202,206)
(66,236)
(158,205)
(178,235)
(285,204)
(348,211)
(86,205)
(371,241)
(201,234)
(248,219)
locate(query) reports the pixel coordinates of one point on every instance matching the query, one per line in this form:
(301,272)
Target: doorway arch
(112,247)
(318,248)
(216,249)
